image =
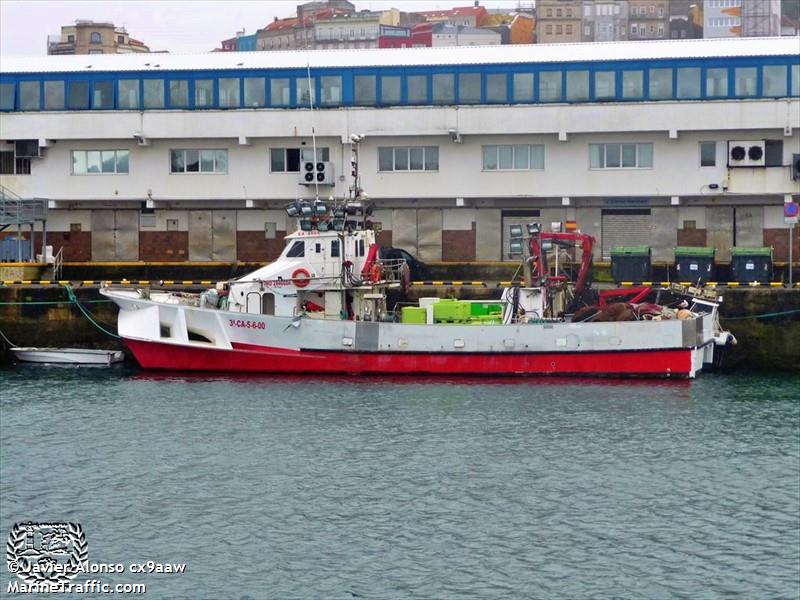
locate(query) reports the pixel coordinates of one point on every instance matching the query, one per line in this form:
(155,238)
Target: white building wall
(674,129)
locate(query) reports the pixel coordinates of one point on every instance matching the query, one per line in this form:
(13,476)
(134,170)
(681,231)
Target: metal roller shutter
(623,227)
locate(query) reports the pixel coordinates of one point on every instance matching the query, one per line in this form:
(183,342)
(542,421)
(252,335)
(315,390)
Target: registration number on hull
(245,324)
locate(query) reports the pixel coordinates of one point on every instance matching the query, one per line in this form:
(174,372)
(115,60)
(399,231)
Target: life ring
(376,273)
(301,278)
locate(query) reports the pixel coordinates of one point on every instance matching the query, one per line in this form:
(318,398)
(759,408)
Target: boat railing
(391,270)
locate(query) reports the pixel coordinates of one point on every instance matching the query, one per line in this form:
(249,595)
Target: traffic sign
(790,213)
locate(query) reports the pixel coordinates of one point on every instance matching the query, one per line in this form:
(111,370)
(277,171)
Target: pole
(791,240)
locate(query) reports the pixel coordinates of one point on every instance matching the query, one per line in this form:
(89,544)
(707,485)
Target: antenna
(313,130)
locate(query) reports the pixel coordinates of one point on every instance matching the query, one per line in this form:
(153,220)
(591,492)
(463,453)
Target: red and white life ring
(301,278)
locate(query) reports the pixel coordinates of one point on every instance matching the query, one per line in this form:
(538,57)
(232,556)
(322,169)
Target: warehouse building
(168,157)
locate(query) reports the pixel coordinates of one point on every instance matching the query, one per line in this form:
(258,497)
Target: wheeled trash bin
(694,264)
(630,263)
(751,264)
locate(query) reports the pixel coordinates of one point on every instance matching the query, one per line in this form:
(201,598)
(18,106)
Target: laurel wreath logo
(18,563)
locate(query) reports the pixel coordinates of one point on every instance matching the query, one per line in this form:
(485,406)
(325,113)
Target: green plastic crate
(699,251)
(483,308)
(414,314)
(452,311)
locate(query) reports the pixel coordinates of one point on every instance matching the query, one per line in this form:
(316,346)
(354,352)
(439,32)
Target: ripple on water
(298,488)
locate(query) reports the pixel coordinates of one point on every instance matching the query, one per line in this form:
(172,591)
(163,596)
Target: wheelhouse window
(128,93)
(708,154)
(288,160)
(550,86)
(330,90)
(229,92)
(469,88)
(29,95)
(517,157)
(54,95)
(717,83)
(204,93)
(279,92)
(775,80)
(745,78)
(198,161)
(523,87)
(605,85)
(621,156)
(408,158)
(496,88)
(99,162)
(7,96)
(417,89)
(179,93)
(365,90)
(390,89)
(255,92)
(153,93)
(296,250)
(444,90)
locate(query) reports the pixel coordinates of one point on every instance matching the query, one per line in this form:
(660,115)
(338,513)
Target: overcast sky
(179,26)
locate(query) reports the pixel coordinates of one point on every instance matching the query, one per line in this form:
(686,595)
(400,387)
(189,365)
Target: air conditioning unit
(27,149)
(316,173)
(746,154)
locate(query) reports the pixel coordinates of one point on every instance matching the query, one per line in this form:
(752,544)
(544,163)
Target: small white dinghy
(68,356)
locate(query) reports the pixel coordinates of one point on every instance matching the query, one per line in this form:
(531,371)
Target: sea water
(269,487)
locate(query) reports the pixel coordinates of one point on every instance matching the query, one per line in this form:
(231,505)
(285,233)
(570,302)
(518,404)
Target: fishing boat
(324,307)
(68,356)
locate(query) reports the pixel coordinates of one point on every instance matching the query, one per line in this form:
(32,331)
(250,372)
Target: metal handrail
(58,263)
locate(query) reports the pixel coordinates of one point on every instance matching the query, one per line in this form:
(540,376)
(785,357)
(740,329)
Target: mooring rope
(762,315)
(86,313)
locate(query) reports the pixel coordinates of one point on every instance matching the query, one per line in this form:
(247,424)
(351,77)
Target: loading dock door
(625,227)
(418,231)
(115,235)
(212,235)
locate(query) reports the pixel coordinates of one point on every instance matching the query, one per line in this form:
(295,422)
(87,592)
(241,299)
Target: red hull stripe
(157,355)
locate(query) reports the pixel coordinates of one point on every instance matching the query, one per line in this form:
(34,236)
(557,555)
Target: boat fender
(301,278)
(375,273)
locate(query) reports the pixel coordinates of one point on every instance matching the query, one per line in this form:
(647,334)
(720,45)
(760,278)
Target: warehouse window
(775,80)
(330,90)
(469,88)
(254,92)
(795,80)
(660,87)
(229,92)
(745,78)
(620,156)
(605,85)
(154,93)
(99,162)
(179,93)
(103,95)
(550,86)
(204,93)
(708,154)
(305,91)
(198,161)
(444,88)
(417,89)
(404,158)
(29,92)
(78,95)
(287,160)
(577,85)
(128,93)
(717,83)
(6,96)
(279,92)
(390,89)
(689,83)
(517,157)
(523,87)
(54,95)
(365,90)
(632,84)
(496,90)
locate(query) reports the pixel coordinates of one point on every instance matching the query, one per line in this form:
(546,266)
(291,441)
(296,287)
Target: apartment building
(90,37)
(648,19)
(559,21)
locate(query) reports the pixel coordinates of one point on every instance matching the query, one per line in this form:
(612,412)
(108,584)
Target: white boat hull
(68,356)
